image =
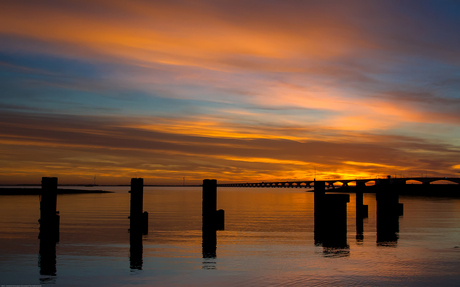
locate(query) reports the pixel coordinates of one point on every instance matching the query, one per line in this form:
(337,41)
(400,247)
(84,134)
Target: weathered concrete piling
(388,212)
(47,256)
(213,219)
(362,211)
(49,218)
(330,217)
(49,226)
(139,220)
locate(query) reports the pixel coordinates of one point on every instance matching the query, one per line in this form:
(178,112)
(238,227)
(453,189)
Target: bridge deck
(345,182)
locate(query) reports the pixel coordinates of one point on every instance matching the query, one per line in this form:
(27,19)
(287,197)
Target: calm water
(268,240)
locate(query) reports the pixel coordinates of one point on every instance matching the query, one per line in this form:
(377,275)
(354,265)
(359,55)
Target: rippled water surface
(268,240)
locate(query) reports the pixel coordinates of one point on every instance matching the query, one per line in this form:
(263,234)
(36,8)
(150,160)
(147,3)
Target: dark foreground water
(268,240)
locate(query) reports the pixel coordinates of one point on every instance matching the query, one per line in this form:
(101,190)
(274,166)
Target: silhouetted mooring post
(139,220)
(330,219)
(49,226)
(212,219)
(361,210)
(319,193)
(388,212)
(387,217)
(138,223)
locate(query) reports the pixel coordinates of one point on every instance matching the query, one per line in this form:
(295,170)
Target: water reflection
(135,250)
(359,229)
(47,254)
(209,246)
(49,237)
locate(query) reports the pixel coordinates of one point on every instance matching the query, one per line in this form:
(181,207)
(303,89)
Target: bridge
(330,183)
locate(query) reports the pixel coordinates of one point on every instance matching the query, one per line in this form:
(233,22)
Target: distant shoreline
(36,191)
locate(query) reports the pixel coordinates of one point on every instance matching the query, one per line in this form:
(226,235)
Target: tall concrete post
(335,220)
(387,217)
(209,197)
(318,198)
(138,218)
(49,226)
(361,209)
(49,218)
(213,219)
(359,215)
(319,192)
(137,197)
(330,220)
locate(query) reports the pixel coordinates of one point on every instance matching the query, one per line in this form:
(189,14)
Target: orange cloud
(278,91)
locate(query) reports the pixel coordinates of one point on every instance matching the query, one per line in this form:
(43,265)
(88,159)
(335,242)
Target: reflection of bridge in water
(331,183)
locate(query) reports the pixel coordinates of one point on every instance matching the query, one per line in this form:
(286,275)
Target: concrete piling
(388,211)
(49,218)
(49,226)
(212,219)
(361,209)
(335,220)
(330,218)
(138,218)
(209,198)
(361,213)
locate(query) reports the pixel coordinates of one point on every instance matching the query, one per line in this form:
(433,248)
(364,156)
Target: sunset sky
(233,90)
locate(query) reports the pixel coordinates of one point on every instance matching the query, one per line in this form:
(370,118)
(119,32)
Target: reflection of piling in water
(49,226)
(138,219)
(135,250)
(388,211)
(212,219)
(330,219)
(209,242)
(47,256)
